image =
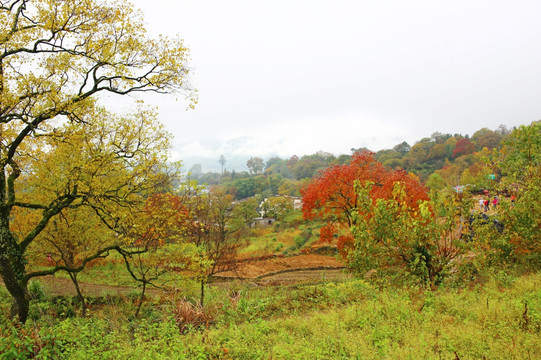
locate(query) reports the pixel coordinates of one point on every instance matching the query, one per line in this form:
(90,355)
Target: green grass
(273,240)
(347,320)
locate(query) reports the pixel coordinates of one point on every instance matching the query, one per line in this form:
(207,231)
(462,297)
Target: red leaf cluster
(331,196)
(463,147)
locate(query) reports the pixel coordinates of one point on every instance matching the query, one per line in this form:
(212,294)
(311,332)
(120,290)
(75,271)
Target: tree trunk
(141,300)
(16,289)
(73,277)
(20,306)
(12,270)
(202,298)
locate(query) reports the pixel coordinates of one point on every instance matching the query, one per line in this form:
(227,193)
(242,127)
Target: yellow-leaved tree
(70,240)
(59,150)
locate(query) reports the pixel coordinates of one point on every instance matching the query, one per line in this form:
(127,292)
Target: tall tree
(56,58)
(222,161)
(332,197)
(255,165)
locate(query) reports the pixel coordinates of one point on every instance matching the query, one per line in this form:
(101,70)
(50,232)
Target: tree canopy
(56,58)
(332,197)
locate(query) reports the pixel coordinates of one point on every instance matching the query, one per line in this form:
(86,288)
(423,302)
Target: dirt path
(58,286)
(267,272)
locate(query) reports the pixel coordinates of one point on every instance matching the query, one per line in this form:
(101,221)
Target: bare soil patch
(304,276)
(304,262)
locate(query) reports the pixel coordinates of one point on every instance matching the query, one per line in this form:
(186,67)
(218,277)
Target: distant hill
(208,164)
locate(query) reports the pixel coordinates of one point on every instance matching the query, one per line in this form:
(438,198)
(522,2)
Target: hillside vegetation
(497,319)
(432,278)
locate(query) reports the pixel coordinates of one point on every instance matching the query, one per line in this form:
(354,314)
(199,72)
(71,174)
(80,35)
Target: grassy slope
(328,321)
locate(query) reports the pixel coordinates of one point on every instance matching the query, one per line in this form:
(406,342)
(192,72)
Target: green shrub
(36,290)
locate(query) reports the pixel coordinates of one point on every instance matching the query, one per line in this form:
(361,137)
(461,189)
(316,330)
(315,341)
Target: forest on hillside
(452,159)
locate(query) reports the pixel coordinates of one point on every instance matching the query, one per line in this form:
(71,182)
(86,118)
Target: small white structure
(262,222)
(297,203)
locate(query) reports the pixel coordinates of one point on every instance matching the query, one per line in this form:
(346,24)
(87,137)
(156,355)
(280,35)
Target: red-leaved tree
(463,147)
(332,197)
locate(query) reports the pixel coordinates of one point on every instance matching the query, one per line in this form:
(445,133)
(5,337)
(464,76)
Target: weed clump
(189,316)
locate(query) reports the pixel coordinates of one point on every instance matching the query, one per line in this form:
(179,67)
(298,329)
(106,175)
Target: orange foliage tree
(163,219)
(383,219)
(332,197)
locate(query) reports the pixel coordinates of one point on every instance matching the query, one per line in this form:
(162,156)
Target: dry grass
(189,316)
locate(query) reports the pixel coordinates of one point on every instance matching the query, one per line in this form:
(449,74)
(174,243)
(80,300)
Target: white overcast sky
(294,77)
